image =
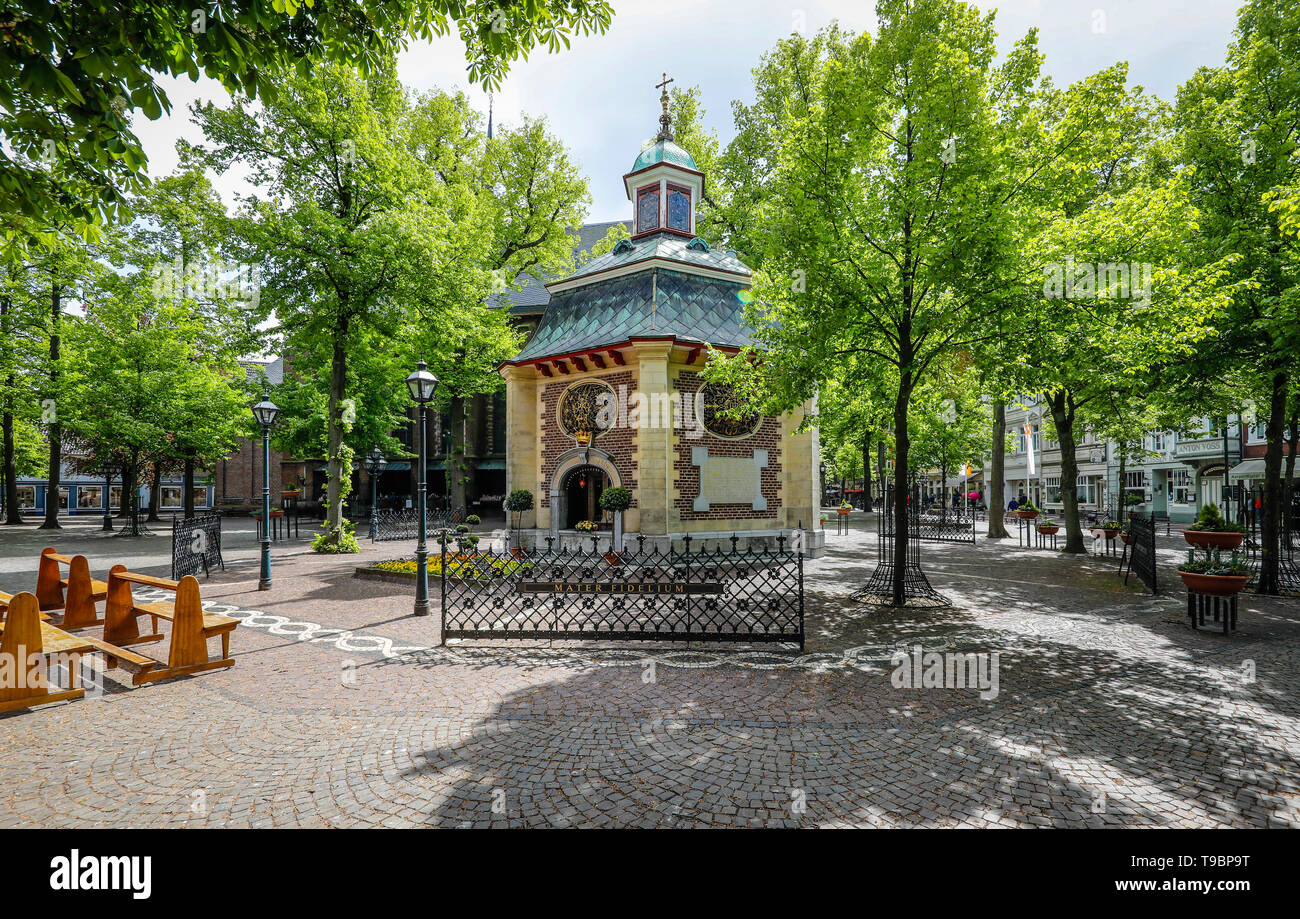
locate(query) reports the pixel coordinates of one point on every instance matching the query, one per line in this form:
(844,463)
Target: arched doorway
(580,492)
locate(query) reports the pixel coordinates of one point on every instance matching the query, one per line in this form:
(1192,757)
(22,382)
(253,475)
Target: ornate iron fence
(405,523)
(692,593)
(1141,551)
(935,525)
(196,545)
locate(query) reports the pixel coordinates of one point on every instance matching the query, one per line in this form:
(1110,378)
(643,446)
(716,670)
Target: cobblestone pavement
(343,711)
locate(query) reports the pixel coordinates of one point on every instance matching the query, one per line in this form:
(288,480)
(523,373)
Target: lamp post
(422,385)
(822,470)
(375,463)
(266,412)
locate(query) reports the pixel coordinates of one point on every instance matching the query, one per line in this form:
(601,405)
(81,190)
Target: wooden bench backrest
(20,640)
(188,644)
(49,590)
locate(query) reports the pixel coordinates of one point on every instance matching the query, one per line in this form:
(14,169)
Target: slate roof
(664,245)
(609,312)
(274,370)
(532,299)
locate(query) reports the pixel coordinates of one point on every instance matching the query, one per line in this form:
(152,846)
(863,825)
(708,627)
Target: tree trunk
(996,490)
(456,454)
(334,489)
(1062,404)
(187,486)
(866,472)
(12,515)
(56,453)
(1271,519)
(155,494)
(901,445)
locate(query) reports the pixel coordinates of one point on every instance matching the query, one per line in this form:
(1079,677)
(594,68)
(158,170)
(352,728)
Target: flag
(1029,447)
(965,470)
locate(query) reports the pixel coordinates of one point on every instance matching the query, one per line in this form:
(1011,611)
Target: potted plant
(586,526)
(1049,527)
(1212,531)
(517,502)
(1028,511)
(1110,529)
(616,500)
(844,508)
(294,492)
(1212,575)
(1124,533)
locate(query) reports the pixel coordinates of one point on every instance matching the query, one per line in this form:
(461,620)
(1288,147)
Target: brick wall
(238,478)
(687,475)
(618,442)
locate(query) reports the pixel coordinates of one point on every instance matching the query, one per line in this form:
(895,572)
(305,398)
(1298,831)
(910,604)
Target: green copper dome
(664,151)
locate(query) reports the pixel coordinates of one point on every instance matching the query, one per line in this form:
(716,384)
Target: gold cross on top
(665,120)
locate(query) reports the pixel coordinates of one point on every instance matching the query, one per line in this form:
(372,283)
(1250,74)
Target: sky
(599,96)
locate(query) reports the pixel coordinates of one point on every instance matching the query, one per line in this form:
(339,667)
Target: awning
(398,466)
(1248,469)
(1253,469)
(491,464)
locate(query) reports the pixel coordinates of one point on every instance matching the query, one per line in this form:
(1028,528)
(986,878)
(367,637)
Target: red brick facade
(767,437)
(619,442)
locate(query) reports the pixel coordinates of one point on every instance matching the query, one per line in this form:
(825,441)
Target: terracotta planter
(1111,534)
(1126,537)
(843,511)
(1049,531)
(612,559)
(1026,515)
(291,494)
(1212,539)
(1214,585)
(516,552)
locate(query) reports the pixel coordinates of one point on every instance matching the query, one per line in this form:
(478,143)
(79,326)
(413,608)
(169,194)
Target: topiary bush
(615,499)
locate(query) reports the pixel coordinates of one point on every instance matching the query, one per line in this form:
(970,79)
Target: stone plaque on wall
(730,479)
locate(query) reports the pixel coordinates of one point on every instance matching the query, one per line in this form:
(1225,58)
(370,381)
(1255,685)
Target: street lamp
(266,412)
(422,385)
(822,469)
(375,463)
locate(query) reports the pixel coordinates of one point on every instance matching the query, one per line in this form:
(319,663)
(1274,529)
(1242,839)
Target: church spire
(665,120)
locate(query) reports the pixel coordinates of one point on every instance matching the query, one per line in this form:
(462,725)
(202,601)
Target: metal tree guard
(917,590)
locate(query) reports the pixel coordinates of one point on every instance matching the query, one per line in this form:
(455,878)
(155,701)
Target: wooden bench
(25,635)
(76,594)
(191,627)
(5,599)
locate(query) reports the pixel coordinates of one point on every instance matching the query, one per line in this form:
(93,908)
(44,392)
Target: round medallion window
(720,400)
(586,411)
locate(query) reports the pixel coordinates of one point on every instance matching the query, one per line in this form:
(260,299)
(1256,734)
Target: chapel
(608,391)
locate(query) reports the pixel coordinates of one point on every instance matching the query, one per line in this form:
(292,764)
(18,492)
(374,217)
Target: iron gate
(689,594)
(196,545)
(1141,551)
(404,523)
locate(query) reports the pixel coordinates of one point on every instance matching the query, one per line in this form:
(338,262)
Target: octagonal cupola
(664,184)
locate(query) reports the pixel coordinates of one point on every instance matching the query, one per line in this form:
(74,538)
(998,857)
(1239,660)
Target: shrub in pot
(1212,531)
(1028,511)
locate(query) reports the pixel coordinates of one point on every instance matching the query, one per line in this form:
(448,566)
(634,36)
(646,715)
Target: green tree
(386,222)
(73,73)
(149,385)
(1236,134)
(884,212)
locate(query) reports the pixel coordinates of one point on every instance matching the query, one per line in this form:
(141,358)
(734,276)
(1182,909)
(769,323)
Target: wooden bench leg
(225,645)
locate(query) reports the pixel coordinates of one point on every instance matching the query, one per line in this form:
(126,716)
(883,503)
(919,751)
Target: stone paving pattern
(342,711)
